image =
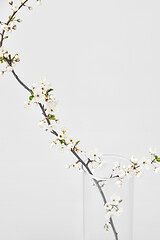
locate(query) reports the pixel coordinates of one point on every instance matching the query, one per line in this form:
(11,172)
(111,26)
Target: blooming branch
(42,95)
(112,209)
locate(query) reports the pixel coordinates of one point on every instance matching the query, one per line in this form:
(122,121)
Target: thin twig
(18,79)
(10,19)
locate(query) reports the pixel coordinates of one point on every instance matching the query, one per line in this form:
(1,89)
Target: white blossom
(61,135)
(119,211)
(9,27)
(53,144)
(115,199)
(39,2)
(50,107)
(119,182)
(41,124)
(49,128)
(5,58)
(157,170)
(153,150)
(67,166)
(15,8)
(121,173)
(145,163)
(108,206)
(134,160)
(139,174)
(95,156)
(27,106)
(116,165)
(64,129)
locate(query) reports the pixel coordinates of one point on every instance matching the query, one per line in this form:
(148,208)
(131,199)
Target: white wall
(102,58)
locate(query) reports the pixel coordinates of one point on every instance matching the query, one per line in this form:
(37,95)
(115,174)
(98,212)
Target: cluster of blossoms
(65,143)
(8,27)
(112,209)
(42,93)
(15,7)
(136,167)
(93,158)
(11,24)
(7,61)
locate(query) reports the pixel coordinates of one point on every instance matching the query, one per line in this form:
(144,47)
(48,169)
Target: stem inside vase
(93,202)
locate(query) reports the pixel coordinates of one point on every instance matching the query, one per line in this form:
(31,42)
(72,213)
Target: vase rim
(114,155)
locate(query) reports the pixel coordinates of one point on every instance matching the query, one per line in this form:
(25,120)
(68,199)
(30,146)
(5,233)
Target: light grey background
(102,58)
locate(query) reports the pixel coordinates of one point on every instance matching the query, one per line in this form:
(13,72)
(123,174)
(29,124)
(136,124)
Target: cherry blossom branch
(9,62)
(14,13)
(10,19)
(74,153)
(56,134)
(42,96)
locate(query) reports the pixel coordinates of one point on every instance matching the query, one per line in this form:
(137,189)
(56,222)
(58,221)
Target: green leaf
(76,143)
(158,159)
(61,141)
(5,37)
(31,97)
(1,59)
(52,117)
(49,90)
(120,201)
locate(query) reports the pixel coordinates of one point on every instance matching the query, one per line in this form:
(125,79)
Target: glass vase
(93,202)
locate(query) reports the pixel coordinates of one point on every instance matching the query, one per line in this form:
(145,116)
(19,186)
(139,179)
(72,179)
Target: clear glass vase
(93,202)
